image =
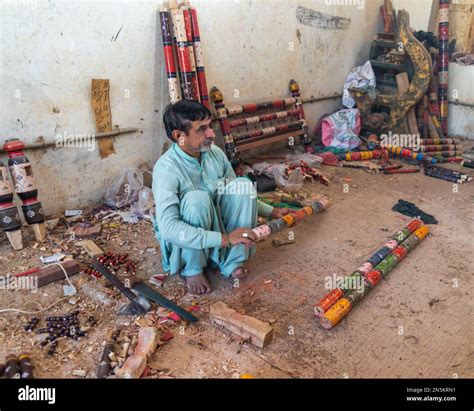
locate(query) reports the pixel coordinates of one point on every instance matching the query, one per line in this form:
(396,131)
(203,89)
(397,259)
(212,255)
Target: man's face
(199,138)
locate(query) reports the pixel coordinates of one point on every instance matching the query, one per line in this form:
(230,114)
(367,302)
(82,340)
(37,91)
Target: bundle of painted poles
(182,53)
(336,304)
(274,226)
(446,174)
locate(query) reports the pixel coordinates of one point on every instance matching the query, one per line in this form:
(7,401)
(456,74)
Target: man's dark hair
(180,115)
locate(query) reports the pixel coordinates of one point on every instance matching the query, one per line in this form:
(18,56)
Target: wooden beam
(54,273)
(257,332)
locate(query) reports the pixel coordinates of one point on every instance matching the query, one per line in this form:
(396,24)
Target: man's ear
(176,134)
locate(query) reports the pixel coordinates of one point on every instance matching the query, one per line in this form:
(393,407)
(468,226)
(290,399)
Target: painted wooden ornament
(25,186)
(10,222)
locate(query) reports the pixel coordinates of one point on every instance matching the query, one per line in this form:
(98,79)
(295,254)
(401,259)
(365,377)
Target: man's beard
(206,147)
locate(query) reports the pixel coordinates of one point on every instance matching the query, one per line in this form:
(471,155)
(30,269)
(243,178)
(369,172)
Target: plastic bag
(295,181)
(361,77)
(142,208)
(310,159)
(125,188)
(341,129)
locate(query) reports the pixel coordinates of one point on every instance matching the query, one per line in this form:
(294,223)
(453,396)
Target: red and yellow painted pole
(344,305)
(171,73)
(192,59)
(184,61)
(201,72)
(395,240)
(265,230)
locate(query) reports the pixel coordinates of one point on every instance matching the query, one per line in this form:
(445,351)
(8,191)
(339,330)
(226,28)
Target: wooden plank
(92,249)
(257,332)
(403,83)
(267,140)
(102,114)
(54,273)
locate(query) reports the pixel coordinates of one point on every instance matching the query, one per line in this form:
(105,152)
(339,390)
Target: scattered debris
(135,365)
(258,332)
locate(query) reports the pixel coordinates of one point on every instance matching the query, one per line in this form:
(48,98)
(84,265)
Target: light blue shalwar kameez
(197,201)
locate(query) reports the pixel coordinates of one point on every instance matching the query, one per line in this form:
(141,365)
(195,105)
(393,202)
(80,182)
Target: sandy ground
(416,323)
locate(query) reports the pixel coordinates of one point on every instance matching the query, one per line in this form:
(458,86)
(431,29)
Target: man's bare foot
(240,272)
(198,284)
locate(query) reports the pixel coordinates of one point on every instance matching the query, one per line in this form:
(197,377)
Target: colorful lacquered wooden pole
(295,92)
(265,230)
(221,112)
(333,296)
(192,59)
(409,154)
(10,222)
(443,63)
(183,54)
(342,307)
(25,186)
(171,73)
(201,72)
(361,155)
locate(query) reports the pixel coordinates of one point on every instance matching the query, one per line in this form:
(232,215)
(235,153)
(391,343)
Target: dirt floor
(416,323)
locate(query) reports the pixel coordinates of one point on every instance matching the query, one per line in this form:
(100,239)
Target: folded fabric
(411,210)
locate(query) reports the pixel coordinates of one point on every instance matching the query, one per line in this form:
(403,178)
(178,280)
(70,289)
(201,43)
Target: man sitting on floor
(204,214)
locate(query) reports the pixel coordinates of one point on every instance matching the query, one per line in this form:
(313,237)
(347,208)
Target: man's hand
(239,236)
(279,212)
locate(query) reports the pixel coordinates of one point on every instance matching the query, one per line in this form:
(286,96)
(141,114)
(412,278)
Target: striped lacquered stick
(183,54)
(221,112)
(253,107)
(443,63)
(189,37)
(171,73)
(268,131)
(262,118)
(295,92)
(201,72)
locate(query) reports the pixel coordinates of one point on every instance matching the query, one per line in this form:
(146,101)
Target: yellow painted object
(288,219)
(422,232)
(246,376)
(336,313)
(308,210)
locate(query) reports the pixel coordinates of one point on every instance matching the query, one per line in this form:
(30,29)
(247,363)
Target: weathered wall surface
(51,51)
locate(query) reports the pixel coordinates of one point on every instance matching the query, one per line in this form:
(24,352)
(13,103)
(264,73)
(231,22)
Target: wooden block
(40,231)
(103,115)
(134,365)
(54,273)
(92,249)
(15,239)
(258,332)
